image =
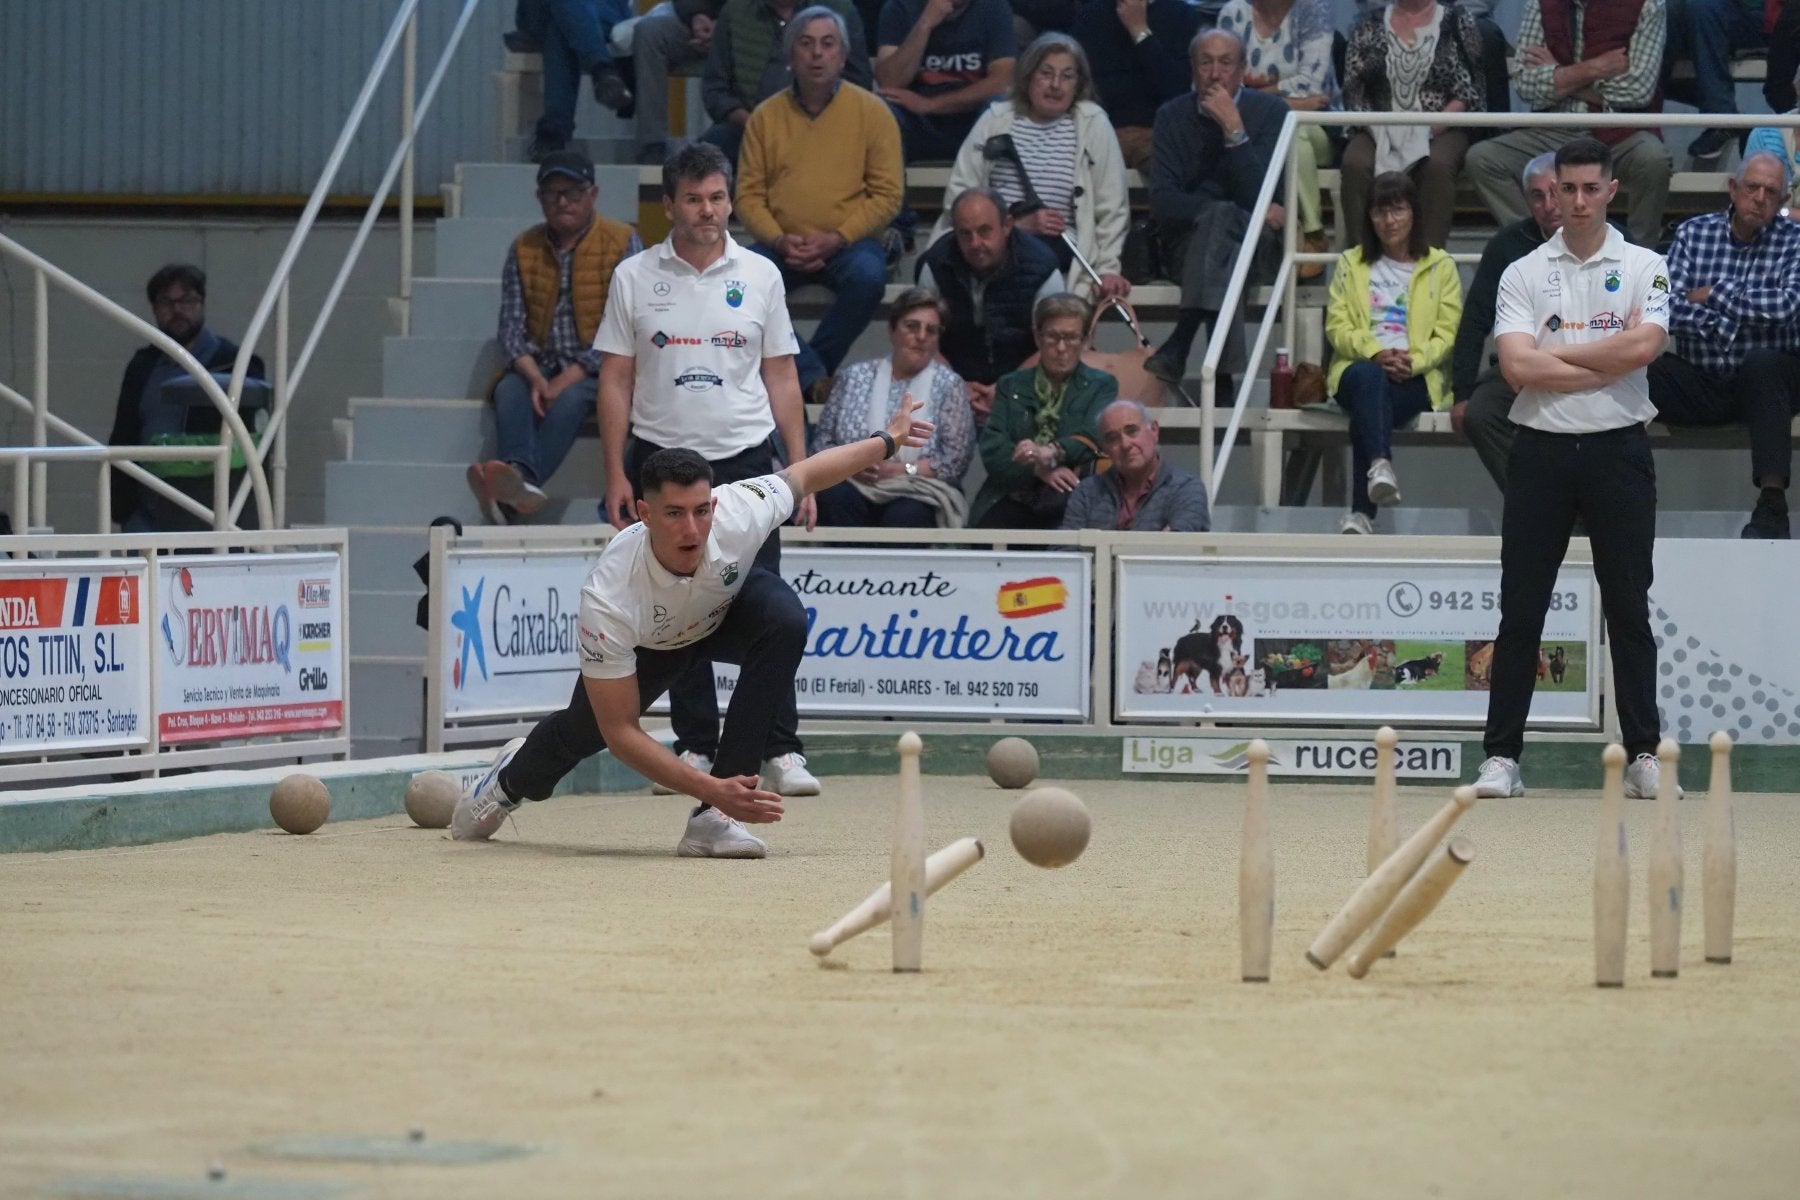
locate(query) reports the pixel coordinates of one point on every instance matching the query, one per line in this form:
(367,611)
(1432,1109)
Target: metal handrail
(31,498)
(1215,456)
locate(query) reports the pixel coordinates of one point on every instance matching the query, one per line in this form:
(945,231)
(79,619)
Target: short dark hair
(1386,190)
(1583,152)
(188,276)
(915,298)
(692,163)
(968,195)
(677,466)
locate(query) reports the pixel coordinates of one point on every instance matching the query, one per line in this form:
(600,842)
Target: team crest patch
(734,292)
(729,573)
(1660,283)
(1613,280)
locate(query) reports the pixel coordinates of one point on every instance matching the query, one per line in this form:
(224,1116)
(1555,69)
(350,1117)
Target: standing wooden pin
(1665,868)
(908,881)
(1612,875)
(1384,833)
(1718,862)
(1256,871)
(1414,903)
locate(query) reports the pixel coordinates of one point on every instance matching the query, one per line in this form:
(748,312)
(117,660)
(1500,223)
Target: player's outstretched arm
(615,704)
(821,470)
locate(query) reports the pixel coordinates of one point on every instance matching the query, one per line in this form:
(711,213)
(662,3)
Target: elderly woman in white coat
(1050,151)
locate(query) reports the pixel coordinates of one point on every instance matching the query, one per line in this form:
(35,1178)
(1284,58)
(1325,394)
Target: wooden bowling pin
(908,863)
(1665,875)
(1256,872)
(1414,903)
(1612,875)
(940,869)
(1384,831)
(1718,861)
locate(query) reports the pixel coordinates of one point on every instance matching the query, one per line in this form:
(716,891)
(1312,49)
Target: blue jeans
(1708,32)
(574,45)
(925,138)
(1377,406)
(537,446)
(857,277)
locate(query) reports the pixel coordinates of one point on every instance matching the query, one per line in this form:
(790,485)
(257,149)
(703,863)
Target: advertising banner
(249,645)
(926,633)
(74,655)
(1339,640)
(1316,757)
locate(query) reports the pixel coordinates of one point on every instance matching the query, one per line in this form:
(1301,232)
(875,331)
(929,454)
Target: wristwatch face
(912,468)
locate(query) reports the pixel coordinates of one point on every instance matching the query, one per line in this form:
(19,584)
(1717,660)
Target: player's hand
(937,12)
(905,428)
(1046,222)
(618,503)
(1060,479)
(981,401)
(1219,105)
(906,98)
(1276,219)
(1459,418)
(1537,56)
(1134,15)
(1612,64)
(1026,451)
(739,798)
(540,397)
(806,513)
(700,32)
(1113,287)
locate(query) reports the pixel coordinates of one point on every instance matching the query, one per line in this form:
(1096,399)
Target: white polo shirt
(1562,302)
(631,601)
(699,339)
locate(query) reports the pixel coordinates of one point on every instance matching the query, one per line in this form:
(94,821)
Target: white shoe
(482,809)
(699,762)
(712,834)
(484,495)
(513,489)
(786,775)
(1355,522)
(1642,776)
(1499,779)
(1384,486)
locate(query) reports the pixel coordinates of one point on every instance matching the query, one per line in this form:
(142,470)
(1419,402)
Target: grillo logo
(235,635)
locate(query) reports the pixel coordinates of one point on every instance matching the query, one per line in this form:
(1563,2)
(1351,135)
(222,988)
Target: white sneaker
(1642,776)
(787,775)
(484,495)
(699,762)
(1499,779)
(482,809)
(712,834)
(1384,486)
(1355,522)
(513,489)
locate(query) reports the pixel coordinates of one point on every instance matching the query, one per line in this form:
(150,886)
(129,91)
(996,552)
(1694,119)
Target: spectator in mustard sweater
(819,177)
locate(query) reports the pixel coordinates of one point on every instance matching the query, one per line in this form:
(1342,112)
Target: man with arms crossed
(678,587)
(1577,321)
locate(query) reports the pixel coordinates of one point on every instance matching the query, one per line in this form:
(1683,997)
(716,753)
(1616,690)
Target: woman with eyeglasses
(1050,151)
(1391,321)
(1040,440)
(918,489)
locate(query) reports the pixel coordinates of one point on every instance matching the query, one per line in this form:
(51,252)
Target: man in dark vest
(145,416)
(1604,57)
(991,276)
(552,293)
(746,64)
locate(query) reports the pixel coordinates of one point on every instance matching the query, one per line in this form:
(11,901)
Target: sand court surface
(652,1026)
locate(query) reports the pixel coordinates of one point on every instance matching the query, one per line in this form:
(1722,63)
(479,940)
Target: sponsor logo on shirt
(730,339)
(755,489)
(953,63)
(734,292)
(1553,284)
(660,339)
(661,288)
(1659,283)
(590,640)
(729,573)
(1554,323)
(1606,320)
(1613,279)
(698,379)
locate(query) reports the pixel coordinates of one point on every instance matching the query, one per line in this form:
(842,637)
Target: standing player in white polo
(676,588)
(698,351)
(1576,322)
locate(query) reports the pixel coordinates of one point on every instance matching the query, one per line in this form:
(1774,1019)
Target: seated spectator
(1288,50)
(939,63)
(1391,321)
(1483,397)
(1781,73)
(1050,153)
(669,40)
(819,178)
(1040,441)
(1780,141)
(575,34)
(1213,148)
(1735,321)
(1139,49)
(916,488)
(1707,33)
(553,292)
(991,276)
(1412,57)
(1608,62)
(746,64)
(1140,492)
(144,416)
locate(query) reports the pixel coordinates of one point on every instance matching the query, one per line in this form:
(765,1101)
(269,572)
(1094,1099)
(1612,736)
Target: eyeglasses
(562,195)
(1392,212)
(1059,339)
(920,328)
(184,303)
(1052,75)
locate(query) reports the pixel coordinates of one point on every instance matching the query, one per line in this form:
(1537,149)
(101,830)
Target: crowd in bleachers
(1042,108)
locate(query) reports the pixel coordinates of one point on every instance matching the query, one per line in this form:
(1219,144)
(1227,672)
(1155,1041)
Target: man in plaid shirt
(1735,322)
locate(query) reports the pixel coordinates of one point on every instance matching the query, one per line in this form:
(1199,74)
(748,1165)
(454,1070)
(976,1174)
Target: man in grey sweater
(1141,492)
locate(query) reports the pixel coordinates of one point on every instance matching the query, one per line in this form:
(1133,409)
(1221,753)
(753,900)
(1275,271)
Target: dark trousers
(764,633)
(1377,406)
(1487,421)
(842,505)
(857,277)
(1609,481)
(1435,175)
(693,701)
(1764,395)
(1008,513)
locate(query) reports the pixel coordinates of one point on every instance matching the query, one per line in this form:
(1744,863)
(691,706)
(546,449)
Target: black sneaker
(542,147)
(1769,519)
(520,42)
(1710,144)
(611,90)
(1164,367)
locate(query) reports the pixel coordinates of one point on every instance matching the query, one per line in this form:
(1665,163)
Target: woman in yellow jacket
(1391,321)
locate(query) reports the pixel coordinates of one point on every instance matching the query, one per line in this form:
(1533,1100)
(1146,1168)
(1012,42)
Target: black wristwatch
(887,440)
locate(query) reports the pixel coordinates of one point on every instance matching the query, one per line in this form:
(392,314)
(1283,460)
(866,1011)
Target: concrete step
(474,247)
(1235,518)
(397,495)
(385,624)
(435,368)
(381,560)
(509,190)
(455,308)
(389,696)
(435,431)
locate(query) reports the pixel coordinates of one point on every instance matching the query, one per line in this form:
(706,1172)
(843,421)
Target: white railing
(1215,453)
(31,463)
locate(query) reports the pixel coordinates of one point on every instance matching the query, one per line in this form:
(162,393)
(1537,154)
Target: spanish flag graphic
(1031,597)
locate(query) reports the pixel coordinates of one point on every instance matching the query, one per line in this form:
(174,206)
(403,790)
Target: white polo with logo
(631,601)
(1562,301)
(699,339)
